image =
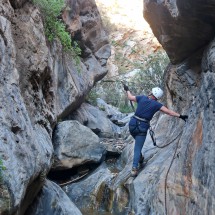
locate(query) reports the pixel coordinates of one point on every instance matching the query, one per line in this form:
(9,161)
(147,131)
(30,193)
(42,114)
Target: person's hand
(184,117)
(125,87)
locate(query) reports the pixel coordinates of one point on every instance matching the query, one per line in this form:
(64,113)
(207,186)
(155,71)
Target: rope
(132,105)
(165,185)
(73,180)
(152,134)
(154,142)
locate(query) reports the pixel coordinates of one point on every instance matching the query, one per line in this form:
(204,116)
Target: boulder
(181,26)
(52,200)
(109,109)
(91,194)
(104,190)
(121,119)
(96,120)
(75,145)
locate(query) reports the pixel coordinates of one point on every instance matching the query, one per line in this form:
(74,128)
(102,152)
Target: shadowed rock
(181,26)
(52,200)
(96,120)
(90,193)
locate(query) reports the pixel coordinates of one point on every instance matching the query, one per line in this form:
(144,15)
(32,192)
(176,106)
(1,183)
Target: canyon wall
(186,31)
(40,85)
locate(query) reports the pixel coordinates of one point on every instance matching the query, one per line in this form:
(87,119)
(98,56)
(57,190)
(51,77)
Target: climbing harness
(141,119)
(137,129)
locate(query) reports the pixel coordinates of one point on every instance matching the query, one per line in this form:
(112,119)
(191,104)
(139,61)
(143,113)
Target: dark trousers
(139,141)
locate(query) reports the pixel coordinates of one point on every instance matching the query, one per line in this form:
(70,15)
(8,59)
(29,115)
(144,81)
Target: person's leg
(139,141)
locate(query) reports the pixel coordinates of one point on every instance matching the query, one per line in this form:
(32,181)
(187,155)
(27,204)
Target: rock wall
(40,84)
(182,27)
(186,31)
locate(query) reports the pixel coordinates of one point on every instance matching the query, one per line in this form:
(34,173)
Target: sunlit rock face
(84,23)
(181,26)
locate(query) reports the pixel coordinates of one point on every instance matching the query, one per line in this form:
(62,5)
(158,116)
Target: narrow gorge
(59,154)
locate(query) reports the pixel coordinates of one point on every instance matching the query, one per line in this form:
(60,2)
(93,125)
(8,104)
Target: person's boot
(140,164)
(134,172)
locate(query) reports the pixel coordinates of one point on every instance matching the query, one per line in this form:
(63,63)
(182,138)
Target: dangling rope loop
(152,134)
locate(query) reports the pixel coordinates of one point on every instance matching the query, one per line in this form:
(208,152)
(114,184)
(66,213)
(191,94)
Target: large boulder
(109,109)
(91,194)
(52,200)
(181,26)
(75,145)
(96,120)
(104,190)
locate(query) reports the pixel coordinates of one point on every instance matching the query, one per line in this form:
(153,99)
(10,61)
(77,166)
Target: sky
(126,13)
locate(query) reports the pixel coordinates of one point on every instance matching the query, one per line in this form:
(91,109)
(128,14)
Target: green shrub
(125,108)
(150,73)
(92,96)
(54,27)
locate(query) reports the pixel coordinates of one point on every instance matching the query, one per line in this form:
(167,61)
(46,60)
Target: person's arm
(173,113)
(130,96)
(169,112)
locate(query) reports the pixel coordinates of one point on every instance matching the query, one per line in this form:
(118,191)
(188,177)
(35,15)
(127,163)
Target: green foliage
(150,73)
(112,92)
(54,27)
(92,96)
(125,108)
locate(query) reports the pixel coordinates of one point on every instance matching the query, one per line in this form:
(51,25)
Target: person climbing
(147,106)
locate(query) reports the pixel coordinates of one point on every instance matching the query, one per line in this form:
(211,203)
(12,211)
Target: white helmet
(157,92)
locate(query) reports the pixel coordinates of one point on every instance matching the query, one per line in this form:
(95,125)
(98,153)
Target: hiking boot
(140,164)
(134,172)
